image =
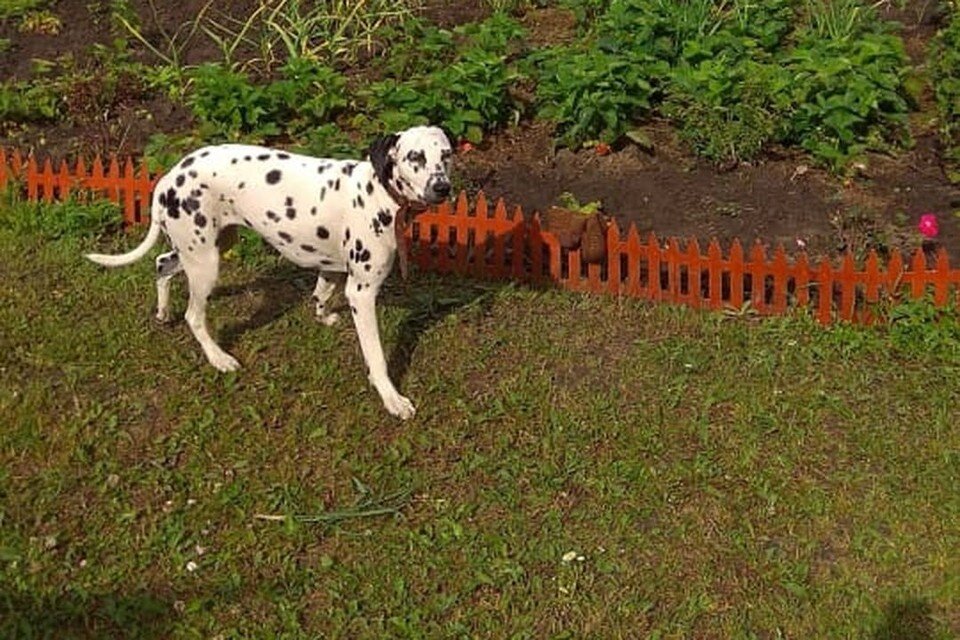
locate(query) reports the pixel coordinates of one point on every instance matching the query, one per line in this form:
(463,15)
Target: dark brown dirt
(780,200)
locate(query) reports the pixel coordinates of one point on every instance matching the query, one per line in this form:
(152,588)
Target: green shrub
(726,111)
(591,94)
(39,101)
(229,105)
(944,60)
(848,96)
(469,95)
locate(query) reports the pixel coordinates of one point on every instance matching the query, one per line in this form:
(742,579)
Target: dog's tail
(131,256)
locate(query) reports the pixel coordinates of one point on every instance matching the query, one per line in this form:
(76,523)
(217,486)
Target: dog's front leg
(363,298)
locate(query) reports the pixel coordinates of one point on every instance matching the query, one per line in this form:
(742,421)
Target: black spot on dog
(289,201)
(291,213)
(247,222)
(384,217)
(241,185)
(233,161)
(247,158)
(366,267)
(323,233)
(283,156)
(196,193)
(180,180)
(348,168)
(359,287)
(336,185)
(330,184)
(308,248)
(326,262)
(273,177)
(204,154)
(364,256)
(186,163)
(323,193)
(286,237)
(173,204)
(190,205)
(359,202)
(353,310)
(348,234)
(263,156)
(192,173)
(204,185)
(200,220)
(162,199)
(313,211)
(377,228)
(273,216)
(369,188)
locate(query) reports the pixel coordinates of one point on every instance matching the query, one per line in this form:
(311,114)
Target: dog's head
(414,163)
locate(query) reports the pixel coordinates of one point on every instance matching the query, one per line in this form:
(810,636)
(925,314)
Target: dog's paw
(224,362)
(164,317)
(400,407)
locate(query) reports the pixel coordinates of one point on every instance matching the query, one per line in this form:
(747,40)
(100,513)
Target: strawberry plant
(848,96)
(468,95)
(591,94)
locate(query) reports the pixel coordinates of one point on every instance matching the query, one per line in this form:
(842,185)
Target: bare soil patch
(665,190)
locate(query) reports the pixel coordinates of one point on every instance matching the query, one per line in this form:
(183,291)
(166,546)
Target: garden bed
(114,102)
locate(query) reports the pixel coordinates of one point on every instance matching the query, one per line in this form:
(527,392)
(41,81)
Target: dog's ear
(381,156)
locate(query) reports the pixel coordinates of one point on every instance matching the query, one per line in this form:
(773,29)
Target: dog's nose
(442,189)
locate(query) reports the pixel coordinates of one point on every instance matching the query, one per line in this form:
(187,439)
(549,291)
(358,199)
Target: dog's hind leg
(321,295)
(168,265)
(202,268)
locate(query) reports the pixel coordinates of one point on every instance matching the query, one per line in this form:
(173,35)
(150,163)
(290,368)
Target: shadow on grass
(906,619)
(281,288)
(136,615)
(428,301)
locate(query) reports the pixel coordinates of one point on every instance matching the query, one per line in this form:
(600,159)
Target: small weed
(42,22)
(18,8)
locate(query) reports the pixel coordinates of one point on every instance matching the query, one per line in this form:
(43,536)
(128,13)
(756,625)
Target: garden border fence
(491,243)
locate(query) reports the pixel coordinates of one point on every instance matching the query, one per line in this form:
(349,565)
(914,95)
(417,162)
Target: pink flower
(928,226)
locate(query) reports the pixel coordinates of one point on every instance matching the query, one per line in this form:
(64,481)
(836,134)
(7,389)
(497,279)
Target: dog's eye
(417,157)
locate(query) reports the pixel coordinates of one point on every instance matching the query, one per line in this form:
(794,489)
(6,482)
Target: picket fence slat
(488,241)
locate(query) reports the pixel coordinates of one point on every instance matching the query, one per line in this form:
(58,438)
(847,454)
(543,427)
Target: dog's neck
(405,208)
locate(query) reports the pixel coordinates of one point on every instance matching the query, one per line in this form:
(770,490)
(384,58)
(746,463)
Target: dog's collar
(400,220)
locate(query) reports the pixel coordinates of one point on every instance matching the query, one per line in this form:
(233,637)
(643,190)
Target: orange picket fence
(493,243)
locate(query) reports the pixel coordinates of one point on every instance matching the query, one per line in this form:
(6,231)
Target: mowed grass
(579,467)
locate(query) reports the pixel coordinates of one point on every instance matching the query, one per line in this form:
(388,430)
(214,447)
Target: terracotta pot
(567,225)
(593,242)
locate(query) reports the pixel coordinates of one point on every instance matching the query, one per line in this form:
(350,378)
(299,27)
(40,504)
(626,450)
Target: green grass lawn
(579,467)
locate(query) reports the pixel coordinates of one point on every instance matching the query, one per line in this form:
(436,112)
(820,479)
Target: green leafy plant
(37,101)
(591,94)
(944,61)
(848,96)
(16,8)
(228,104)
(469,95)
(725,110)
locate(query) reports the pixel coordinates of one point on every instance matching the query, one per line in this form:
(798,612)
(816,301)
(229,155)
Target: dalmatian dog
(331,215)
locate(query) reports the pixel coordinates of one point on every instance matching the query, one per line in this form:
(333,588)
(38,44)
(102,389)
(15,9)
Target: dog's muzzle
(438,190)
